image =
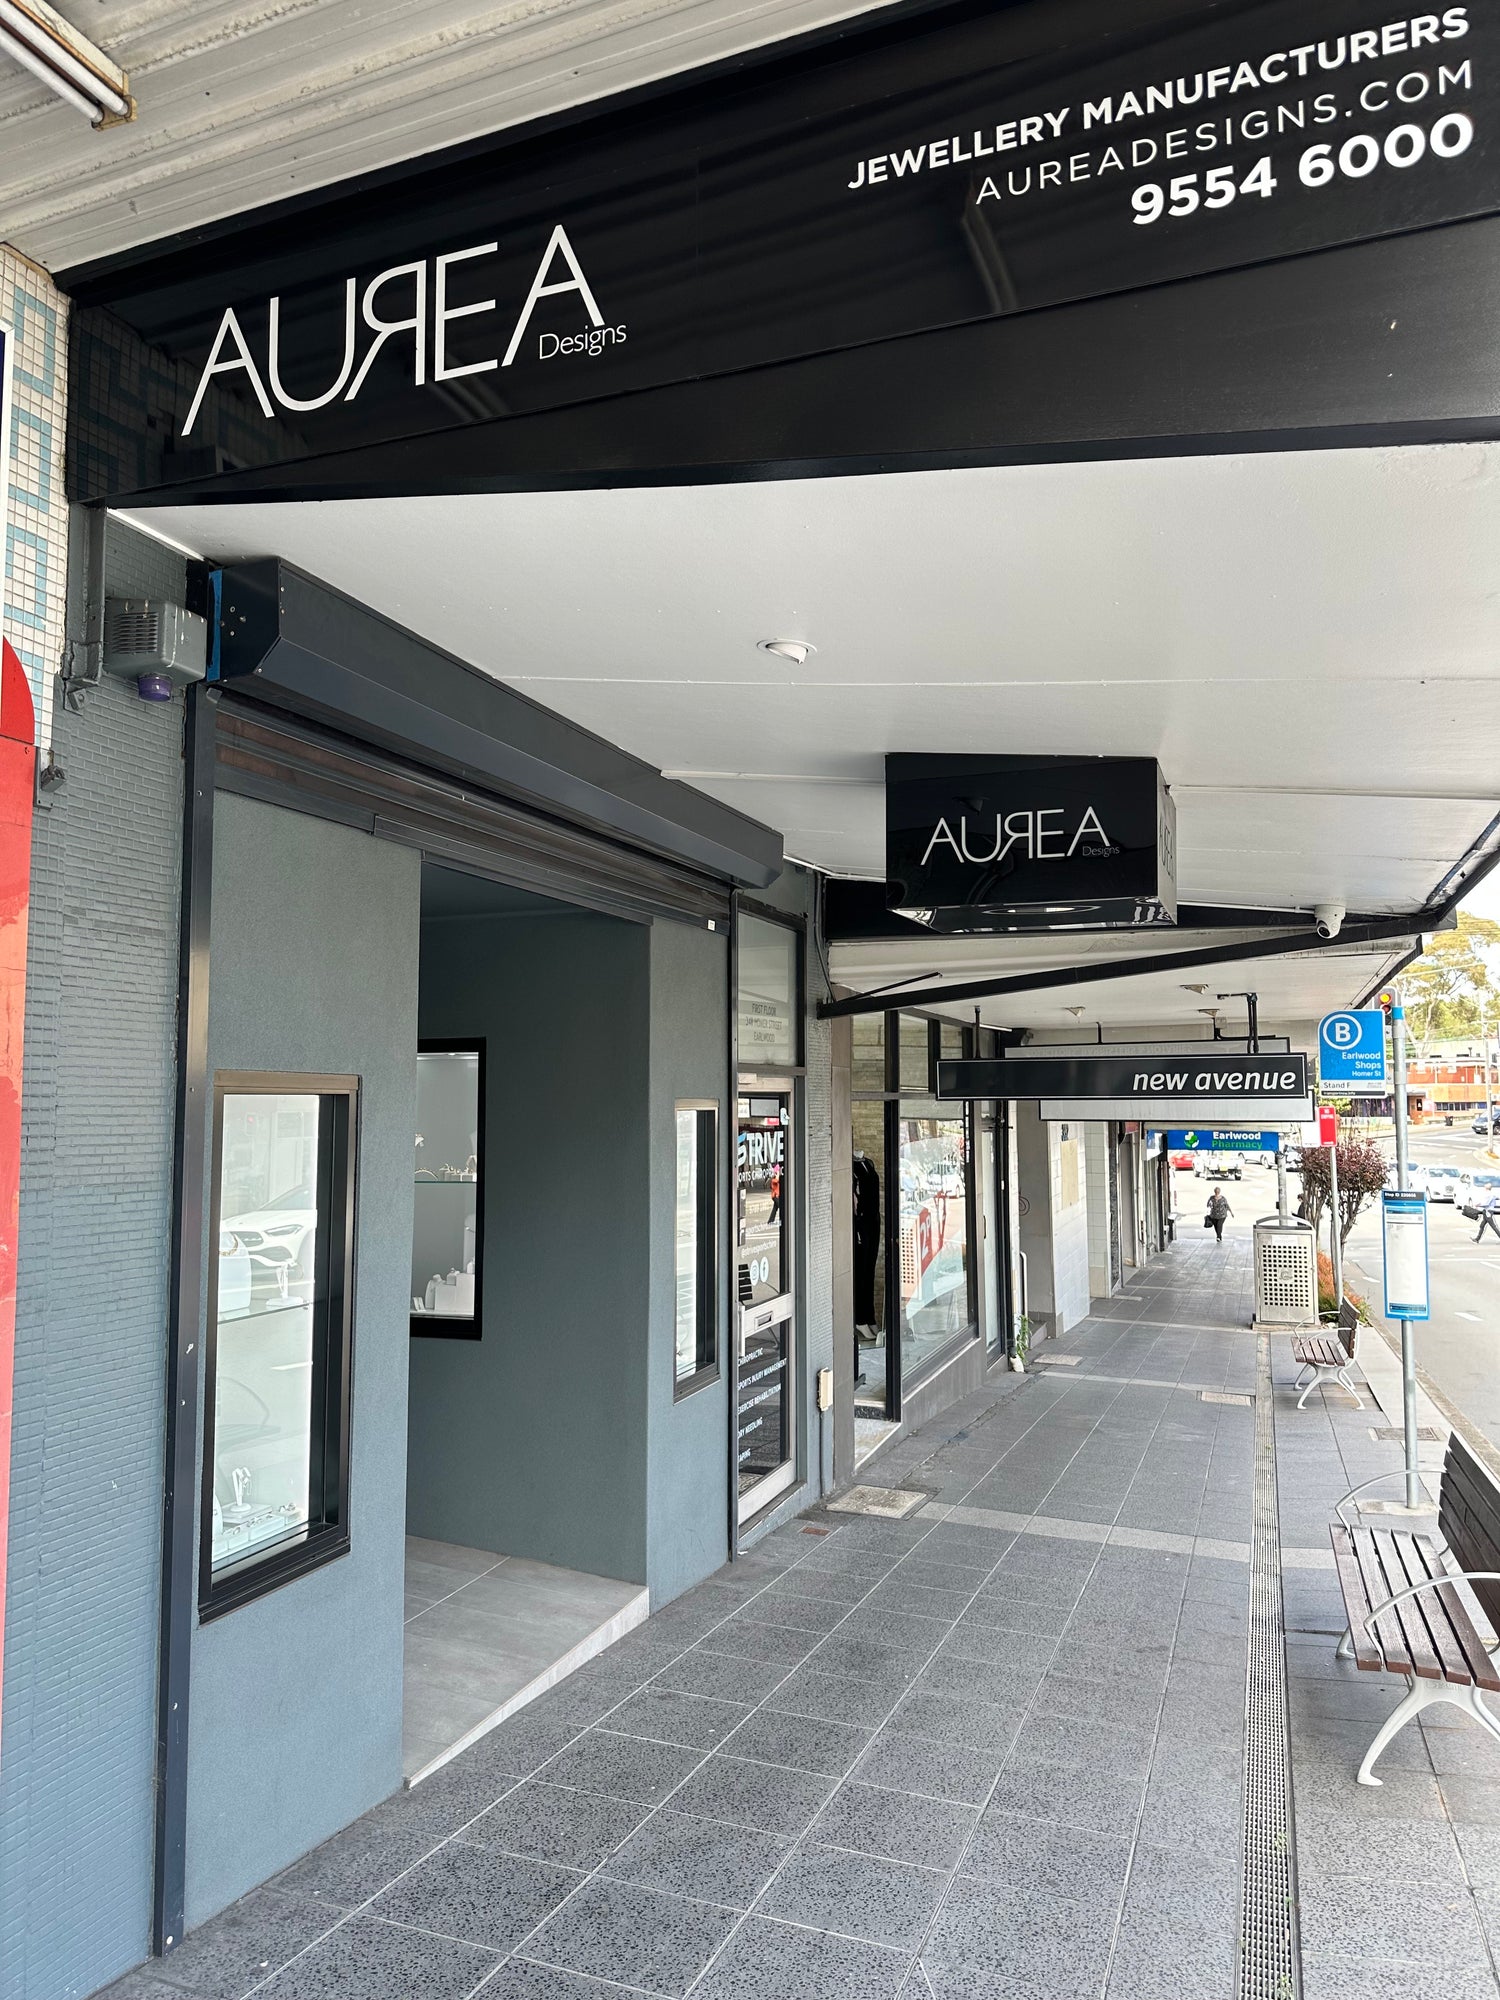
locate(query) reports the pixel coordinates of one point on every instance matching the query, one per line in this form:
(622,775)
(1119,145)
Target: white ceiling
(1306,641)
(240,104)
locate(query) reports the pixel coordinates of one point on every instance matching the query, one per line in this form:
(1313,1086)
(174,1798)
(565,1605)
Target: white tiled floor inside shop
(486,1633)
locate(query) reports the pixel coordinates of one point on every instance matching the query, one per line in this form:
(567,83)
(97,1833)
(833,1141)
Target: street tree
(1362,1171)
(1451,990)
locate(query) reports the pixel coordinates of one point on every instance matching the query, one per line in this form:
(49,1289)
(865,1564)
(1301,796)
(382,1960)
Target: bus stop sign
(1351,1053)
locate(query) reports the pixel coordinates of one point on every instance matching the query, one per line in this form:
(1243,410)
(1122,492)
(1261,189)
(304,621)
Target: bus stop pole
(1408,1339)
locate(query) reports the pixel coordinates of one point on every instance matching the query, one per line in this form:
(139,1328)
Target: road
(1458,1349)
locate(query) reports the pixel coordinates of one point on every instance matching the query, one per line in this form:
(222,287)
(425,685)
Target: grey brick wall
(81,1629)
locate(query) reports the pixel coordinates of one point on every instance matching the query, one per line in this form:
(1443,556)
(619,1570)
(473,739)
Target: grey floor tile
(1073,1795)
(769,1796)
(666,1715)
(979,1680)
(1347,1917)
(244,1944)
(1183,1884)
(721,1677)
(705,1859)
(765,1960)
(975,1725)
(1066,1861)
(1345,1979)
(356,1863)
(747,1639)
(901,1629)
(832,1696)
(1172,1961)
(625,1767)
(1062,1946)
(379,1961)
(806,1743)
(975,1641)
(883,1669)
(477,1895)
(520,1744)
(617,1930)
(903,1763)
(521,1979)
(552,1823)
(1396,1850)
(856,1895)
(929,1833)
(784,1605)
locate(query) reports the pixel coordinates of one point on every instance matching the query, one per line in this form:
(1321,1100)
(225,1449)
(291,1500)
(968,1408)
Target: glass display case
(447,1250)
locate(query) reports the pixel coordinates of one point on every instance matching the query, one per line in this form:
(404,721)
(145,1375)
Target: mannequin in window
(866,1246)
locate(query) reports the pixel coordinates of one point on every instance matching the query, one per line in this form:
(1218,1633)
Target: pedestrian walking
(1219,1213)
(1487,1220)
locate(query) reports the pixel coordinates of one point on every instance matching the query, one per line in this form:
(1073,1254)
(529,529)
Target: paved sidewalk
(991,1752)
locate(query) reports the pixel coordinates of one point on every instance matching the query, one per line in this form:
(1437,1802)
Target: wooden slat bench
(1328,1355)
(1411,1599)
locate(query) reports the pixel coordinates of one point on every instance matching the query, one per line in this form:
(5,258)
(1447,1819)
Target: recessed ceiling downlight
(796,650)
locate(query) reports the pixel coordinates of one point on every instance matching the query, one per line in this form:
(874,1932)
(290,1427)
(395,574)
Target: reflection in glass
(867,1054)
(913,1045)
(265,1283)
(766,996)
(696,1224)
(935,1291)
(445,1215)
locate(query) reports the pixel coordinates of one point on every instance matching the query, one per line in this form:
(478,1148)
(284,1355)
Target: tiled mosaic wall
(36,530)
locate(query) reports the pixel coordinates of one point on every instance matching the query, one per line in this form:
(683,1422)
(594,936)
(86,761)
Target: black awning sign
(1215,1079)
(1011,843)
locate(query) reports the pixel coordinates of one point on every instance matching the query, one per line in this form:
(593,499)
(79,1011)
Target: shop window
(697,1236)
(867,1053)
(915,1046)
(276,1460)
(768,1006)
(951,1038)
(934,1236)
(447,1243)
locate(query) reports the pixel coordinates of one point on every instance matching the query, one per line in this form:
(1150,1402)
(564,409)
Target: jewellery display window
(447,1249)
(277,1351)
(696,1261)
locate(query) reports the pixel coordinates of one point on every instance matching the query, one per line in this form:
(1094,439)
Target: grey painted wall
(533,1440)
(85,1531)
(295,1726)
(688,1474)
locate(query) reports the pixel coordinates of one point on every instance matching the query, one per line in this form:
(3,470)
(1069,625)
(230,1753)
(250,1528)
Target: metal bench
(1329,1356)
(1411,1598)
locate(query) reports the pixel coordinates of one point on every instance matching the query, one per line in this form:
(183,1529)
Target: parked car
(1221,1167)
(1484,1125)
(1442,1183)
(1183,1162)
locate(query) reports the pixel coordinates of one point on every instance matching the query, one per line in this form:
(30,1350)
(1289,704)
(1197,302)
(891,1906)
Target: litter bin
(1286,1273)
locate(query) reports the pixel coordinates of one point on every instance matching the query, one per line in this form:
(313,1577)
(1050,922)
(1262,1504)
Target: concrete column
(1098,1177)
(1054,1222)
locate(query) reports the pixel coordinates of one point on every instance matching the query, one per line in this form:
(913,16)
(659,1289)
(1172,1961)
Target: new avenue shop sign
(924,172)
(1009,843)
(1279,1079)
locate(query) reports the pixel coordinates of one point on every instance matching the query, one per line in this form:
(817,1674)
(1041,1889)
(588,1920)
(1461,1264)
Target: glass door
(766,1447)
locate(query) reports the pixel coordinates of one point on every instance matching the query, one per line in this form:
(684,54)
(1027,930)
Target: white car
(274,1238)
(1441,1183)
(236,1277)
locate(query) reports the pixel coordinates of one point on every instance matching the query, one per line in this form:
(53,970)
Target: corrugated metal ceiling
(242,105)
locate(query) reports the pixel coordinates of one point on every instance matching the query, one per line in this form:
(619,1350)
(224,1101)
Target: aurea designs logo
(408,302)
(1028,832)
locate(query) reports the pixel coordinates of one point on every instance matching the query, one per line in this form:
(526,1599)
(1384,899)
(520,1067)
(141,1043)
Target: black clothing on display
(866,1237)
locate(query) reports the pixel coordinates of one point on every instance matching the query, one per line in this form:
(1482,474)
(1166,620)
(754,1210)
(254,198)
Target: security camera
(1329,918)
